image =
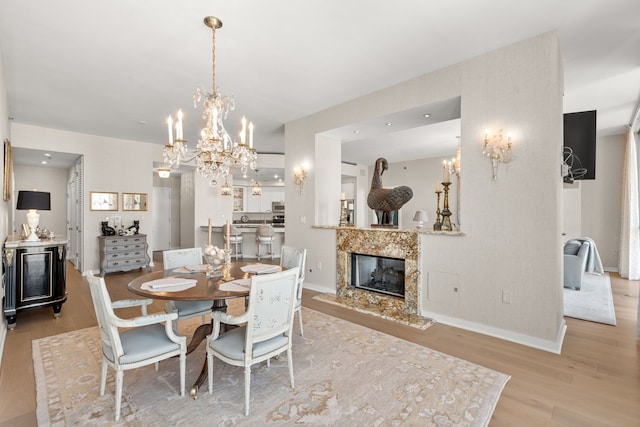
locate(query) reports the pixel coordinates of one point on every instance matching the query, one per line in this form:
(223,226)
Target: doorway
(161,227)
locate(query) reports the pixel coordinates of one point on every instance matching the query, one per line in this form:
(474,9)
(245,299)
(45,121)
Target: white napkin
(240,285)
(169,284)
(260,268)
(197,268)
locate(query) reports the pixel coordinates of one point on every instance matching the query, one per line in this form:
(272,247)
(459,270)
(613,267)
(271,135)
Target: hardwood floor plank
(594,382)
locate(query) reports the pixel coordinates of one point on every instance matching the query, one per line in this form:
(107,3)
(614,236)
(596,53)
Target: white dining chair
(295,257)
(144,342)
(267,329)
(185,309)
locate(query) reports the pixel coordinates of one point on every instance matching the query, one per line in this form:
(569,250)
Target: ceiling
(119,68)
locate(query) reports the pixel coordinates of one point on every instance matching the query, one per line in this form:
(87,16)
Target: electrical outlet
(506,297)
(319,265)
(303,219)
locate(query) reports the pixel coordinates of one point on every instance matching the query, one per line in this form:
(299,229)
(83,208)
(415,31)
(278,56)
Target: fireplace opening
(378,274)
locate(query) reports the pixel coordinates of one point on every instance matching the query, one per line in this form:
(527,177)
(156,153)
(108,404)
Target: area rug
(593,302)
(345,375)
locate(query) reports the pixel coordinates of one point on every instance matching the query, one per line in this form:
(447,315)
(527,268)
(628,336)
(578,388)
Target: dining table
(200,283)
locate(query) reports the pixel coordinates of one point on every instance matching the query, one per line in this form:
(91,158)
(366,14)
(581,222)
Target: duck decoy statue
(386,200)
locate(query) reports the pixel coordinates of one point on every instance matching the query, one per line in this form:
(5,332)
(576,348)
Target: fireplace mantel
(393,243)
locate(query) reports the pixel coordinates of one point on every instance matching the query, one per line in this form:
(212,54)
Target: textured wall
(511,226)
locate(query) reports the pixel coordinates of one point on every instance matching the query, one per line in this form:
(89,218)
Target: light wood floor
(594,382)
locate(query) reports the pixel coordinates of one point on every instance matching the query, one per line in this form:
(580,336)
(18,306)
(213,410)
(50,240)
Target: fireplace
(378,274)
(388,248)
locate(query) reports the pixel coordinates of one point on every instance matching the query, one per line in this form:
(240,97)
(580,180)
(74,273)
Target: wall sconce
(497,149)
(299,176)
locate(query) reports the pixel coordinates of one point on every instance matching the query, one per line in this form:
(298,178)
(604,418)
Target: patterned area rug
(345,374)
(593,302)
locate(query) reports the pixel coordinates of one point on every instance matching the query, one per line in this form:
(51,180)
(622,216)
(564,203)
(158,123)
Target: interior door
(161,219)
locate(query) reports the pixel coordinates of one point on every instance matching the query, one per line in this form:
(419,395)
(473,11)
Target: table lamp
(421,217)
(32,201)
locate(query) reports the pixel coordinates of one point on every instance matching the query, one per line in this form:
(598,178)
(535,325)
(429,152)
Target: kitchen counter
(249,244)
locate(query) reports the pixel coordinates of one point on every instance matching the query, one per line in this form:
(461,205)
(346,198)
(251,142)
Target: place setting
(169,284)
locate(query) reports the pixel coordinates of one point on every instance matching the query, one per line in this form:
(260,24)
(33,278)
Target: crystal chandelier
(216,152)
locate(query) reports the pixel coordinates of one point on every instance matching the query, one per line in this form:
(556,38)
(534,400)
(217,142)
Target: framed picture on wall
(134,201)
(6,190)
(104,201)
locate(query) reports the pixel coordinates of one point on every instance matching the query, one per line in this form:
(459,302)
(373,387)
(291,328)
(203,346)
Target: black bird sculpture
(384,201)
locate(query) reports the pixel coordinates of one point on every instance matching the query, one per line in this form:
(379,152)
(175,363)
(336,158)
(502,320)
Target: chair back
(271,307)
(294,257)
(265,231)
(180,257)
(111,344)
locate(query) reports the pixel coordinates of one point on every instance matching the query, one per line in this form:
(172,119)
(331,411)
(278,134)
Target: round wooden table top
(207,288)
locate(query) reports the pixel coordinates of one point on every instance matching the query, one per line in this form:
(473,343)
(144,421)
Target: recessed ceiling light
(426,116)
(389,124)
(44,162)
(142,122)
(356,131)
(47,155)
(275,176)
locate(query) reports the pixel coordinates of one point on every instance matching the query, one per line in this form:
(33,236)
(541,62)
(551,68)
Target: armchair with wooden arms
(145,341)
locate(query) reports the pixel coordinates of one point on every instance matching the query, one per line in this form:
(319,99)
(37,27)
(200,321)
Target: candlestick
(446,213)
(250,134)
(228,236)
(438,225)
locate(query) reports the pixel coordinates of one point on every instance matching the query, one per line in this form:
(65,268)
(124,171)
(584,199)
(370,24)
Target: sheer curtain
(629,261)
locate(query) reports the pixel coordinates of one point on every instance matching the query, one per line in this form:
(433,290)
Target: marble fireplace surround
(393,243)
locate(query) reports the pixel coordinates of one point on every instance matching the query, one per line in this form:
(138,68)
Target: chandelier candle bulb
(251,135)
(243,132)
(179,126)
(170,125)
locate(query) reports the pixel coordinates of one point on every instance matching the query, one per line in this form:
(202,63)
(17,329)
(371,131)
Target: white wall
(5,207)
(124,167)
(601,200)
(511,226)
(51,180)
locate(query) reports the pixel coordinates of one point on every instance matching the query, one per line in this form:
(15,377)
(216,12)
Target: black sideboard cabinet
(34,276)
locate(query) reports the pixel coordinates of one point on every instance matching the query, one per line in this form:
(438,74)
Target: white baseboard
(527,340)
(318,288)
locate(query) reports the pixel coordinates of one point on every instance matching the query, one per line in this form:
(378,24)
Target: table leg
(200,334)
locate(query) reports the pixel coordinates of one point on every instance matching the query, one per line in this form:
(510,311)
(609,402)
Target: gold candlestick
(438,225)
(446,213)
(343,213)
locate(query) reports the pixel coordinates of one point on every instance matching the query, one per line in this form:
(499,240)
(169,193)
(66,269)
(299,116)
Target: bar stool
(235,240)
(265,235)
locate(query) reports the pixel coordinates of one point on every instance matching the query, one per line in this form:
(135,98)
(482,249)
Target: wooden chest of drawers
(123,253)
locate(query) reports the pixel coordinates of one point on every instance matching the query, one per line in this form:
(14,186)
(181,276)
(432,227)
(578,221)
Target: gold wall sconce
(300,175)
(497,149)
